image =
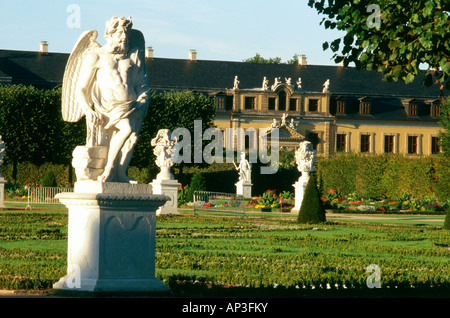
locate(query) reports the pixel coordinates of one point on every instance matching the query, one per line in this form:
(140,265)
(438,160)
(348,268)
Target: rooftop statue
(109,86)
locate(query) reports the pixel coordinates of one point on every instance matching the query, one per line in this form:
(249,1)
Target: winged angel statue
(109,86)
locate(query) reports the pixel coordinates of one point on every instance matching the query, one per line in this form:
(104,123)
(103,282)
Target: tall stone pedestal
(300,187)
(111,244)
(244,188)
(2,192)
(170,189)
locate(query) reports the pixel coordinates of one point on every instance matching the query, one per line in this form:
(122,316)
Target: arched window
(282,100)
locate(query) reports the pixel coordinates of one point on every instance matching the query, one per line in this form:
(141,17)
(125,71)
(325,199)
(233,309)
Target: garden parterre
(251,252)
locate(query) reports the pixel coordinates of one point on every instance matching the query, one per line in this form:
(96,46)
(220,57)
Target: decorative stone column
(244,188)
(164,182)
(111,243)
(305,157)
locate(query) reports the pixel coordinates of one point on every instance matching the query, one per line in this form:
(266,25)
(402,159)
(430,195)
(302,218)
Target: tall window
(271,102)
(341,107)
(250,103)
(365,143)
(282,100)
(313,105)
(292,104)
(412,144)
(435,110)
(220,102)
(435,145)
(389,144)
(365,108)
(412,109)
(341,142)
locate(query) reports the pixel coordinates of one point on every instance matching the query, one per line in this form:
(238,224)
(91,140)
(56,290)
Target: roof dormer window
(364,106)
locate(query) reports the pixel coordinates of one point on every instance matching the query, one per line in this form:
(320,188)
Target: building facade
(339,109)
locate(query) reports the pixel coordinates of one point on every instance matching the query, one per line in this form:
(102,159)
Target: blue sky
(229,30)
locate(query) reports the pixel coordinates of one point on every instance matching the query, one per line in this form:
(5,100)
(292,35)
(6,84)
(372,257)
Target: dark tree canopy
(392,37)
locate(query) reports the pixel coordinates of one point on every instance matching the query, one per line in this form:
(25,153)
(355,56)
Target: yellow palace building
(339,109)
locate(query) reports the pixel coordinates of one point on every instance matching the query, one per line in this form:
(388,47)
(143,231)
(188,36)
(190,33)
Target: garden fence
(44,195)
(218,202)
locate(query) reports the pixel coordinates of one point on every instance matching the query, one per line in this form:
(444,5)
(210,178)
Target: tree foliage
(444,135)
(271,60)
(394,38)
(32,128)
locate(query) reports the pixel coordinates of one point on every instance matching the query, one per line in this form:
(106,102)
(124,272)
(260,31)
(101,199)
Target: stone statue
(283,119)
(109,86)
(244,168)
(2,151)
(288,81)
(236,83)
(326,86)
(299,83)
(273,125)
(265,83)
(305,157)
(163,152)
(292,124)
(277,81)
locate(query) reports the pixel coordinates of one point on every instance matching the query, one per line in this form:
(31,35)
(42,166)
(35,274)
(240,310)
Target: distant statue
(283,119)
(292,124)
(244,169)
(299,83)
(2,151)
(109,86)
(305,157)
(273,125)
(236,83)
(163,148)
(288,81)
(265,83)
(277,82)
(326,86)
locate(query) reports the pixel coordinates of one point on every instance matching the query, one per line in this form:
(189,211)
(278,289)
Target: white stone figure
(109,86)
(283,119)
(244,168)
(2,151)
(277,81)
(299,83)
(236,83)
(288,81)
(326,86)
(305,158)
(273,125)
(292,124)
(265,83)
(163,151)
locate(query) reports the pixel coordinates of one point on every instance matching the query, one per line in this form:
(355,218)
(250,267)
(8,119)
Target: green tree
(261,60)
(391,37)
(271,60)
(311,209)
(445,123)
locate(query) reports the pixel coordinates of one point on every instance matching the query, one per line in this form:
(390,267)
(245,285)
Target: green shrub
(447,220)
(49,180)
(311,209)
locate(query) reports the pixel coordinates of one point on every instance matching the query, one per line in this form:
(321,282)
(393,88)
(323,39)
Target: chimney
(302,60)
(192,55)
(149,52)
(43,47)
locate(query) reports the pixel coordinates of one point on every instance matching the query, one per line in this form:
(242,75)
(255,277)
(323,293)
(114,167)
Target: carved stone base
(244,188)
(89,162)
(2,192)
(299,187)
(111,243)
(170,189)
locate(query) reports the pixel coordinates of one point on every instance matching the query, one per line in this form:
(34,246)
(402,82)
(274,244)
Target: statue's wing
(136,39)
(71,111)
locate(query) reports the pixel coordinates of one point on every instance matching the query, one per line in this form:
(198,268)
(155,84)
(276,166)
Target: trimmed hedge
(377,176)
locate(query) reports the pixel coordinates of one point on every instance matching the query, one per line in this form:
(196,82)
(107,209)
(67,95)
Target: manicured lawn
(246,255)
